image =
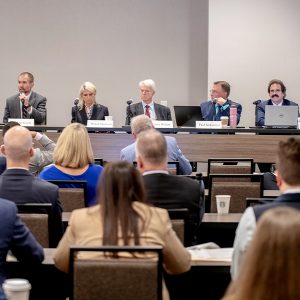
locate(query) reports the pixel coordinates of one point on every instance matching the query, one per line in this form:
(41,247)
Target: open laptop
(186,116)
(284,116)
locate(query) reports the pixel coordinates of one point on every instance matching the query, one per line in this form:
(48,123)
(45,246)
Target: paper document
(220,254)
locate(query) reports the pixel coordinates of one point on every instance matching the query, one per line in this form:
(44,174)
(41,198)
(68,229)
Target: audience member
(19,186)
(277,93)
(270,270)
(123,218)
(164,190)
(219,104)
(27,104)
(73,160)
(41,156)
(147,106)
(141,123)
(15,236)
(88,108)
(288,181)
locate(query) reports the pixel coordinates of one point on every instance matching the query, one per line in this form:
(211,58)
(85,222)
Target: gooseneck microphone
(129,113)
(76,101)
(256,102)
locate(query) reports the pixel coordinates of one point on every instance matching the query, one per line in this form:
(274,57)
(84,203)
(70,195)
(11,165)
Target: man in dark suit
(27,104)
(147,106)
(15,236)
(19,186)
(164,190)
(277,93)
(219,104)
(288,181)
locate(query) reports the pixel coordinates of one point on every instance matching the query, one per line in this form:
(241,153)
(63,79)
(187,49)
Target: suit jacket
(85,228)
(42,156)
(208,111)
(260,110)
(162,112)
(19,186)
(169,191)
(174,154)
(98,113)
(38,103)
(15,236)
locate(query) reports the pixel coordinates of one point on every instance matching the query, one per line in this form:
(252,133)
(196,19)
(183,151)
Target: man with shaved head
(19,186)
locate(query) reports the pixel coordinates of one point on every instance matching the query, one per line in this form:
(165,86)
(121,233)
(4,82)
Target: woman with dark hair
(270,270)
(123,218)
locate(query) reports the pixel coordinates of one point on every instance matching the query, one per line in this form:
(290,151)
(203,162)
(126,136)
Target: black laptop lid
(186,116)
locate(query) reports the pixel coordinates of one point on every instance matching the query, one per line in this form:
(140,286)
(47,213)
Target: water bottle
(233,116)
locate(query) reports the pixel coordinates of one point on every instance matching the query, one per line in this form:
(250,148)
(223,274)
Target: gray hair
(148,83)
(140,123)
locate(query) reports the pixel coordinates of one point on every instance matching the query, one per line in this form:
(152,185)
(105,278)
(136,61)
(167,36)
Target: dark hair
(120,185)
(277,81)
(30,76)
(288,160)
(9,125)
(224,85)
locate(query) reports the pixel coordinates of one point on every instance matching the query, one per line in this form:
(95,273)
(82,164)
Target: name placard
(23,122)
(208,124)
(162,124)
(100,123)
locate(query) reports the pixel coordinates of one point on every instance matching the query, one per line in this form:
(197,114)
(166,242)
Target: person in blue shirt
(219,104)
(74,160)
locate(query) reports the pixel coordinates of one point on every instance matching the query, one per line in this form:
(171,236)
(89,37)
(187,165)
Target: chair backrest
(99,161)
(38,218)
(258,201)
(173,167)
(72,194)
(178,218)
(230,166)
(131,277)
(239,186)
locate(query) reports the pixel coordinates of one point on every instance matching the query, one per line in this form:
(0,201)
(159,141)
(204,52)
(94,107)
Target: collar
(150,104)
(155,172)
(292,190)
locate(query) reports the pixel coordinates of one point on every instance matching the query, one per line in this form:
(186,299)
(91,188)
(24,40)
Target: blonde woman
(73,160)
(88,108)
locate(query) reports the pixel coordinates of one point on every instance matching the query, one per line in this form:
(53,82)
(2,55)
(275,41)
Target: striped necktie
(147,111)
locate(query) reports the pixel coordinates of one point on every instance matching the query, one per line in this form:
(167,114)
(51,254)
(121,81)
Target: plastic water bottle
(233,116)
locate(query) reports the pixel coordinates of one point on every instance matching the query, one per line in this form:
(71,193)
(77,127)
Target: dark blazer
(98,113)
(170,191)
(162,112)
(208,111)
(38,103)
(19,186)
(291,200)
(260,110)
(2,164)
(16,237)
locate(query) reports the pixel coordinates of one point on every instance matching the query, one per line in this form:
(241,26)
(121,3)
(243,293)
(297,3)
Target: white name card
(100,123)
(23,122)
(162,124)
(208,124)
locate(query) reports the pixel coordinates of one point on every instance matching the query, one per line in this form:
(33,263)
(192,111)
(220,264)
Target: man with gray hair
(165,190)
(141,123)
(19,186)
(147,106)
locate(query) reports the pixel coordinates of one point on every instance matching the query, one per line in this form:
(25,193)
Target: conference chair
(38,218)
(239,186)
(116,272)
(72,193)
(178,218)
(230,166)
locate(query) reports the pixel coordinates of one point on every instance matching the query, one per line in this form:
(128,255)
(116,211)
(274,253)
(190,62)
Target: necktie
(147,111)
(24,112)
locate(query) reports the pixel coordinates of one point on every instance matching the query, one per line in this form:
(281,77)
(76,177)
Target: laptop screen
(281,116)
(187,116)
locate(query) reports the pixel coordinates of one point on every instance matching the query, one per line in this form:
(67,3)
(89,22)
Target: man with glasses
(219,104)
(147,106)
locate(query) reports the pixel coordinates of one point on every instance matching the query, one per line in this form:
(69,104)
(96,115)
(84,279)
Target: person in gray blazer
(27,104)
(141,123)
(147,106)
(19,186)
(87,108)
